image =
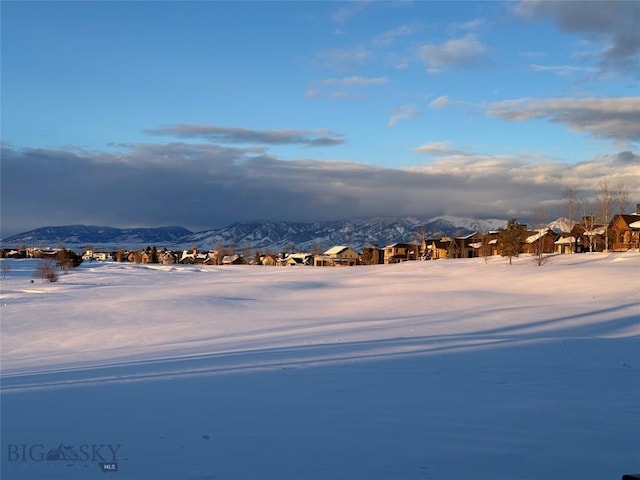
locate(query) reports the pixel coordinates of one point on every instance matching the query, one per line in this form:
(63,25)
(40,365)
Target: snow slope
(424,370)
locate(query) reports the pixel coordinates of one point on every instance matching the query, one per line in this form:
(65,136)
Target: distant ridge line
(257,235)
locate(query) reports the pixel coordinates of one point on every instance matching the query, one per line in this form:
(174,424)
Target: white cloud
(333,94)
(354,81)
(469,26)
(614,117)
(342,59)
(352,9)
(562,70)
(403,112)
(439,149)
(346,87)
(532,54)
(390,36)
(440,102)
(459,53)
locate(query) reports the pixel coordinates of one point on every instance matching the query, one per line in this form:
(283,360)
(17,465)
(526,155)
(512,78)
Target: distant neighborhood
(622,233)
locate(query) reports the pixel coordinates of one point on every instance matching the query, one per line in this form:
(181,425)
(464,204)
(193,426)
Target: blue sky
(205,113)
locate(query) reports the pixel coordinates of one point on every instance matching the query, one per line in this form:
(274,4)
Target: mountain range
(257,235)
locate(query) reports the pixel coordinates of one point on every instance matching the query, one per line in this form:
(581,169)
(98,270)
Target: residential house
(46,253)
(372,255)
(589,234)
(167,257)
(337,256)
(541,241)
(466,246)
(462,246)
(401,252)
(233,260)
(296,259)
(567,244)
(202,258)
(625,231)
(188,256)
(484,244)
(437,247)
(268,260)
(13,253)
(91,255)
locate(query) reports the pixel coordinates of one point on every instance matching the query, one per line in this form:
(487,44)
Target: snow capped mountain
(260,235)
(562,225)
(75,236)
(279,236)
(471,224)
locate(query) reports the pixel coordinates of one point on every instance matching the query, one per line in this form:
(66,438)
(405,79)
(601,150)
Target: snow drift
(445,369)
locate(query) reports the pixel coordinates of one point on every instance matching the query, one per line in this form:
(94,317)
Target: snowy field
(425,370)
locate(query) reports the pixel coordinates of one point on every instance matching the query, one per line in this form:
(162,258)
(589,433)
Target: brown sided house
(541,241)
(401,252)
(625,231)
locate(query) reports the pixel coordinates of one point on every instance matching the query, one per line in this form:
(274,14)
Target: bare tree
(119,255)
(572,206)
(621,198)
(137,256)
(46,270)
(604,207)
(485,247)
(5,269)
(220,251)
(63,260)
(588,225)
(540,219)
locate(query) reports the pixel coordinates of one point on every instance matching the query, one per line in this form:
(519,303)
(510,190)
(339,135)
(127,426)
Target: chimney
(637,208)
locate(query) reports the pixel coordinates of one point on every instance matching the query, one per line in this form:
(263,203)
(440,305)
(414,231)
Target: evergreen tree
(153,256)
(510,239)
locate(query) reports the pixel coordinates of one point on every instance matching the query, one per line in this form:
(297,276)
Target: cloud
(440,102)
(334,94)
(532,54)
(538,181)
(626,158)
(354,81)
(203,186)
(456,54)
(344,59)
(353,8)
(616,118)
(403,112)
(562,70)
(469,26)
(613,24)
(212,133)
(439,149)
(390,36)
(342,88)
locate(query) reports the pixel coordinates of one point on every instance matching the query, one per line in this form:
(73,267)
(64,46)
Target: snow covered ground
(425,370)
